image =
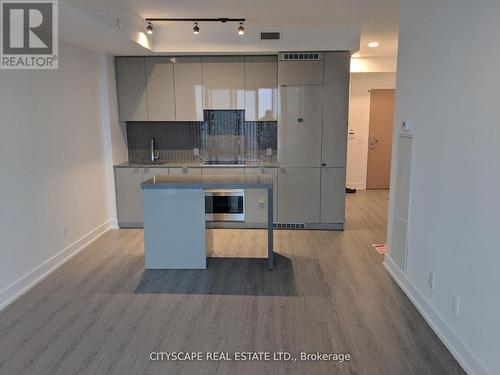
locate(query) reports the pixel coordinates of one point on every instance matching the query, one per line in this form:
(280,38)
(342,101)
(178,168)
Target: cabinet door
(299,127)
(184,170)
(128,196)
(332,195)
(131,85)
(222,171)
(270,171)
(261,88)
(256,212)
(300,73)
(160,89)
(335,109)
(148,173)
(188,89)
(299,195)
(223,82)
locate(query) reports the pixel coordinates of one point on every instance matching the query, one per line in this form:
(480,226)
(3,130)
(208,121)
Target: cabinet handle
(323,164)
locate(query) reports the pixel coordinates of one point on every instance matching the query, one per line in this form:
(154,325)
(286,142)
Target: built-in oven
(225,204)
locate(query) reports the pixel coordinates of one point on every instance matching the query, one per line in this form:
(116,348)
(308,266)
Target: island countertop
(209,182)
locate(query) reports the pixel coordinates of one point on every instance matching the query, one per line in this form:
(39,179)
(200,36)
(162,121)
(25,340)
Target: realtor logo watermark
(29,34)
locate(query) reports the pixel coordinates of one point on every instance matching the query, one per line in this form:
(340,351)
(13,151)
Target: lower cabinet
(270,171)
(148,173)
(184,170)
(299,195)
(256,199)
(128,196)
(333,195)
(222,171)
(128,191)
(256,212)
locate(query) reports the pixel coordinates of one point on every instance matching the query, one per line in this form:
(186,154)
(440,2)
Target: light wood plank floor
(101,313)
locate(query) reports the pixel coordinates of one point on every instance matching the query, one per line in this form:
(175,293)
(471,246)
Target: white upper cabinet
(300,73)
(223,82)
(160,89)
(131,85)
(261,88)
(188,89)
(335,109)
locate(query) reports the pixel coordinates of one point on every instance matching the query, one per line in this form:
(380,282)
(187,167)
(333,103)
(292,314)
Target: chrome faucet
(154,155)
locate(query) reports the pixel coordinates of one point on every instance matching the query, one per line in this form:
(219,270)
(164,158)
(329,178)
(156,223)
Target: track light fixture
(196,27)
(241,29)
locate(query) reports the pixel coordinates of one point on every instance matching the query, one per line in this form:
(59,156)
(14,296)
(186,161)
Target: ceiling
(376,19)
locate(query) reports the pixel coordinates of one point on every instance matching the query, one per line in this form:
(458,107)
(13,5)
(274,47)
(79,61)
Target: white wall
(374,64)
(448,86)
(52,166)
(114,131)
(359,118)
(215,38)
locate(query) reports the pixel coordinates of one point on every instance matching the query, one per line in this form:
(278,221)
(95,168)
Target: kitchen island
(175,227)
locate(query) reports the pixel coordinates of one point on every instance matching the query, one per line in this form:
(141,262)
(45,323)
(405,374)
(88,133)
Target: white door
(299,126)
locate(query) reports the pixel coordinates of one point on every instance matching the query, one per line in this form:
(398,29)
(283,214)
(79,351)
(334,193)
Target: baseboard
(113,224)
(457,347)
(25,283)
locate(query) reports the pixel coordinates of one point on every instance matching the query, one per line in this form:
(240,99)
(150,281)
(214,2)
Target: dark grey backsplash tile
(223,135)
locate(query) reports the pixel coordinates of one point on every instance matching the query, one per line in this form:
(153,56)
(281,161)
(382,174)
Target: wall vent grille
(289,225)
(270,35)
(301,56)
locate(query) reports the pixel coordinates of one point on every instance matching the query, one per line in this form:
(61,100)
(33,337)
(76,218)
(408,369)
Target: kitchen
(176,184)
(281,115)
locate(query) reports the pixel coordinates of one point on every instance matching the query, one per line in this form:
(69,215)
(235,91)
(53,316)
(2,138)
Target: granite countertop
(263,181)
(196,164)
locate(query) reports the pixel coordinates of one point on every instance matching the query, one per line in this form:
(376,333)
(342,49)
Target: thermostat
(406,125)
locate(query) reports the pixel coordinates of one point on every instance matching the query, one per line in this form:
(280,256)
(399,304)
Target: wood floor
(102,313)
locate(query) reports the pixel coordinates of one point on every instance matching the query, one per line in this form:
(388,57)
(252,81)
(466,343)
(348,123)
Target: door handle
(372,143)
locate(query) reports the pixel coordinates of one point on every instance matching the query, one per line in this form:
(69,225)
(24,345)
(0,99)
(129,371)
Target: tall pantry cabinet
(312,138)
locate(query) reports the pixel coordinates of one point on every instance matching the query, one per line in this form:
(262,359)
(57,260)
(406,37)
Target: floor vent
(270,35)
(301,56)
(289,225)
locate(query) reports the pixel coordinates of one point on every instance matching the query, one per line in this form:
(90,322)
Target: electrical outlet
(456,305)
(269,151)
(196,151)
(64,233)
(432,280)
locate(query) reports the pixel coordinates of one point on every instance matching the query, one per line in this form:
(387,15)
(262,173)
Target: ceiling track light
(196,28)
(149,27)
(241,29)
